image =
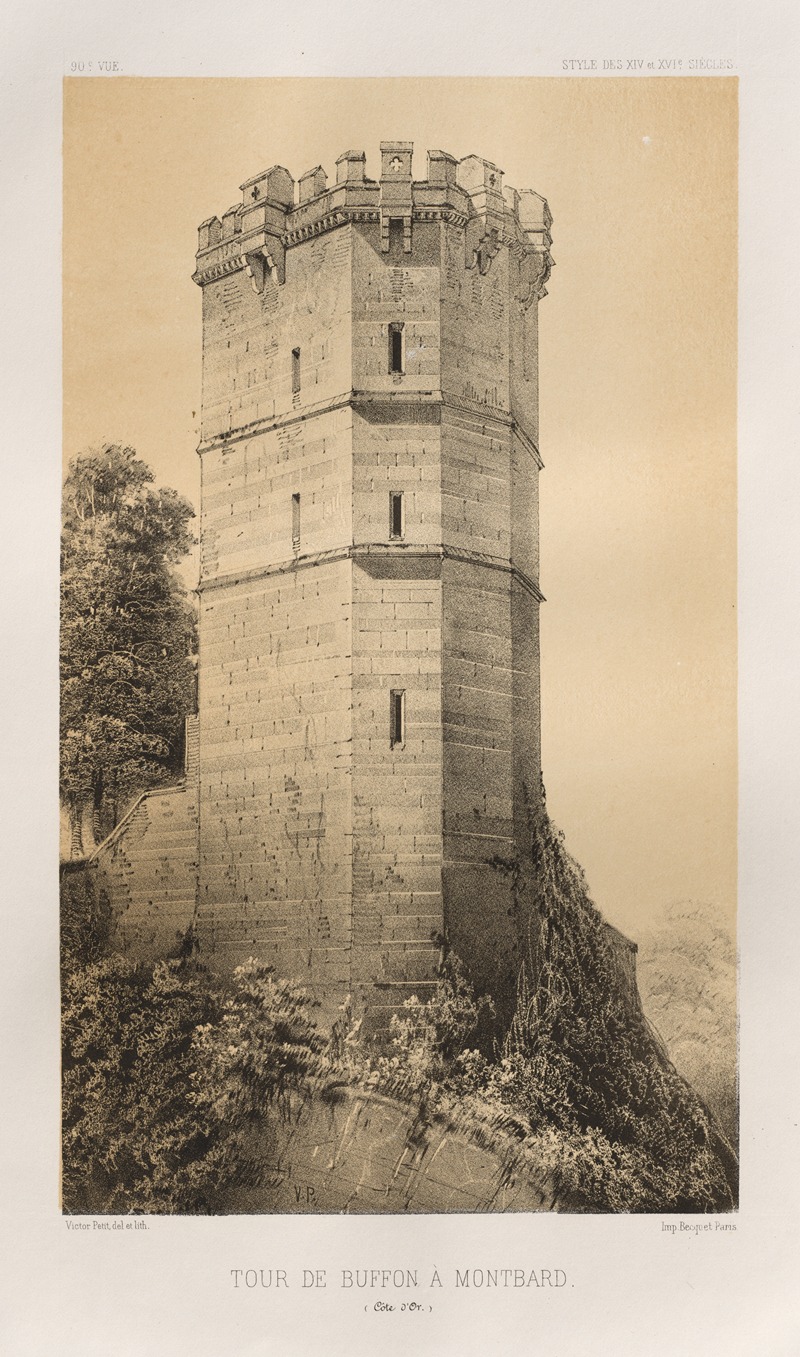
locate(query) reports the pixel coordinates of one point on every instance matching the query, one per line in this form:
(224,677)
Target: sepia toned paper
(638,408)
(637,395)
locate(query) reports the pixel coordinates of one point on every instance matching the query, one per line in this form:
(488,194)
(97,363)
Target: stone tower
(369,746)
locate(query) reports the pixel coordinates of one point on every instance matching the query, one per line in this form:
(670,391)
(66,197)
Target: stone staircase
(148,869)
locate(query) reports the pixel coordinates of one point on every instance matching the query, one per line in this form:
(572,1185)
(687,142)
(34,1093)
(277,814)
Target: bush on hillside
(86,919)
(164,1077)
(171,1082)
(582,1079)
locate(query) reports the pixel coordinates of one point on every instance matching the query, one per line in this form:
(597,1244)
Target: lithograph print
(398,668)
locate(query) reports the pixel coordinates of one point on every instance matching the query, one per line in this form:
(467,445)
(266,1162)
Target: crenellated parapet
(278,213)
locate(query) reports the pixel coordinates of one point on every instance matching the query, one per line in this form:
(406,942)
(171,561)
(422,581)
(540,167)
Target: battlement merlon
(276,213)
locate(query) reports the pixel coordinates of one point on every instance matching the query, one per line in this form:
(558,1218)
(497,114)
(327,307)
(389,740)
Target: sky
(637,380)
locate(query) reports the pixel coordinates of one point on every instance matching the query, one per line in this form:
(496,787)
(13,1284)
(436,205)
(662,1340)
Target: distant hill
(687,981)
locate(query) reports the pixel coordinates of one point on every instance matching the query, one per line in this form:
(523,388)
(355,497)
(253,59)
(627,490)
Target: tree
(687,978)
(127,635)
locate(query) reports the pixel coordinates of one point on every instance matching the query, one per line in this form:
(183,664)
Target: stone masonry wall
(248,339)
(304,834)
(247,495)
(396,287)
(397,791)
(147,868)
(275,790)
(345,858)
(274,699)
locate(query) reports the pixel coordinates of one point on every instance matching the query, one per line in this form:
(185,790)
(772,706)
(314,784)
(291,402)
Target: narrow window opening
(295,371)
(396,233)
(295,521)
(396,355)
(397,717)
(396,523)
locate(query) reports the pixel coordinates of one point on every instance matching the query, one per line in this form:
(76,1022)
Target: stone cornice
(481,415)
(261,426)
(276,214)
(528,444)
(329,221)
(433,400)
(229,256)
(218,262)
(374,551)
(437,400)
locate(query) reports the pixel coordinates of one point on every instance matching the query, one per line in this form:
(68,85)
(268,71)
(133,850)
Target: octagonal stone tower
(369,746)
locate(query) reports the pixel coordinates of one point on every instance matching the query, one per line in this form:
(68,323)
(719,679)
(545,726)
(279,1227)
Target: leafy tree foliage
(427,1039)
(131,1137)
(583,1083)
(86,919)
(169,1082)
(127,635)
(175,1084)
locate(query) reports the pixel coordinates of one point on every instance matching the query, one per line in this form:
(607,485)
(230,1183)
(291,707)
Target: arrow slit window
(397,717)
(396,521)
(396,348)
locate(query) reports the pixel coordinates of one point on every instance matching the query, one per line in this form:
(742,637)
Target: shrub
(164,1077)
(85,919)
(132,1140)
(580,1060)
(171,1082)
(582,1080)
(262,1050)
(427,1038)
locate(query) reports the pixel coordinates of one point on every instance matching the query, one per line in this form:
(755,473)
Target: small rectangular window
(295,371)
(396,524)
(396,354)
(396,233)
(397,717)
(295,521)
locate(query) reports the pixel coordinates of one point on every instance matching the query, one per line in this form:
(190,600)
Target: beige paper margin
(635,1289)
